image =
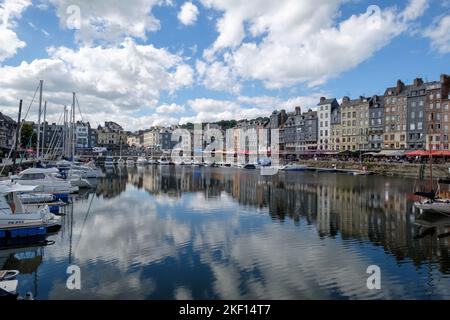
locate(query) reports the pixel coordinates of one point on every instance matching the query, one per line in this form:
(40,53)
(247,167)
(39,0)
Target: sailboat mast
(73,124)
(45,127)
(41,84)
(16,141)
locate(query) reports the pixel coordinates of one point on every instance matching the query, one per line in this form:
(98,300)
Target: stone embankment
(404,169)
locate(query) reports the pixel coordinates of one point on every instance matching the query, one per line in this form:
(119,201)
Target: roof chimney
(345,100)
(298,110)
(400,86)
(322,99)
(418,82)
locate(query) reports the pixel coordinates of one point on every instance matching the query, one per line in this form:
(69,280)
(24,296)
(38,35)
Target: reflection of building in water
(371,208)
(113,184)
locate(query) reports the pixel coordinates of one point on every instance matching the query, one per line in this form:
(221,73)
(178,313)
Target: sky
(143,63)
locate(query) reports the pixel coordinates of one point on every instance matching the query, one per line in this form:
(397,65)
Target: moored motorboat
(109,161)
(47,181)
(164,161)
(6,275)
(294,167)
(130,162)
(18,221)
(141,161)
(8,289)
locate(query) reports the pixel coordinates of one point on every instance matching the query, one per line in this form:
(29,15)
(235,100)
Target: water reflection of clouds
(125,237)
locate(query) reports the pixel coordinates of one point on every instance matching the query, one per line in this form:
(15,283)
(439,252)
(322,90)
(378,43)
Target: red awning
(427,153)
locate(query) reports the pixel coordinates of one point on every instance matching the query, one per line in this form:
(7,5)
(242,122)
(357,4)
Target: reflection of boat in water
(432,222)
(24,260)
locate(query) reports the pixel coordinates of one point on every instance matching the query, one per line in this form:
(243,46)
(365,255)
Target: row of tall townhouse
(407,117)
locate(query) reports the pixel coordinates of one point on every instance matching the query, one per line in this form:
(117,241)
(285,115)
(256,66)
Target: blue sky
(156,62)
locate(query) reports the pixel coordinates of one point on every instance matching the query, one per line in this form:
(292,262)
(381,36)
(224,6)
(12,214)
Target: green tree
(26,134)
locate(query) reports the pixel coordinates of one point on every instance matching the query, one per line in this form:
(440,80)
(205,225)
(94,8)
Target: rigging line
(21,125)
(79,109)
(84,222)
(52,141)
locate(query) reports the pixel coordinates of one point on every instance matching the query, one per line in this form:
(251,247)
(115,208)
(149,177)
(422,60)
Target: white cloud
(244,107)
(170,108)
(217,76)
(415,9)
(439,34)
(188,14)
(110,82)
(10,11)
(109,20)
(286,42)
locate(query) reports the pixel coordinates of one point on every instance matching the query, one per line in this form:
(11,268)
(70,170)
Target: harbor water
(222,233)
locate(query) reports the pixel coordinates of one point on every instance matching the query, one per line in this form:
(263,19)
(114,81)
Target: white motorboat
(151,161)
(86,171)
(109,162)
(33,198)
(46,180)
(294,167)
(141,161)
(6,275)
(130,162)
(64,165)
(77,180)
(163,161)
(438,205)
(10,287)
(16,220)
(121,162)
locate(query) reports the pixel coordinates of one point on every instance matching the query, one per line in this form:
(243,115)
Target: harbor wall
(384,168)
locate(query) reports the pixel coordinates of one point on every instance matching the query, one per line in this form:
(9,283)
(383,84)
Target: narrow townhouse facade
(376,123)
(307,133)
(165,139)
(7,131)
(395,101)
(290,132)
(82,136)
(151,138)
(350,123)
(336,129)
(277,121)
(436,108)
(325,108)
(416,127)
(111,136)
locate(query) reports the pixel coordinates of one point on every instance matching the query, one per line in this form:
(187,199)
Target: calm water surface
(213,233)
